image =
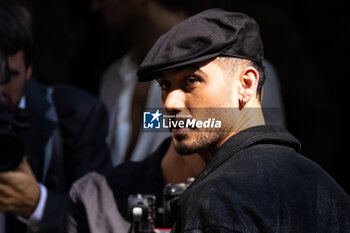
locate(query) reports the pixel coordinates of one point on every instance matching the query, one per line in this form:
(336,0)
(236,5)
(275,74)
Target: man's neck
(249,117)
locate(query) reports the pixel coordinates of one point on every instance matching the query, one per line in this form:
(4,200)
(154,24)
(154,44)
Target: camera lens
(11,151)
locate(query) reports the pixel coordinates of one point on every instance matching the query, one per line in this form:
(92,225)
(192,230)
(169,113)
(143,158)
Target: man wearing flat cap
(255,180)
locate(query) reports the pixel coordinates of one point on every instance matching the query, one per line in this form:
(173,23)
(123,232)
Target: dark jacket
(258,182)
(67,131)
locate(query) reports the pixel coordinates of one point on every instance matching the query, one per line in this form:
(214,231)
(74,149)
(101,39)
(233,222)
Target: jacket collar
(265,134)
(36,101)
(41,126)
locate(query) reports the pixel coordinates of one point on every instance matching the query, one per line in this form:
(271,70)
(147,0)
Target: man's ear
(29,72)
(248,83)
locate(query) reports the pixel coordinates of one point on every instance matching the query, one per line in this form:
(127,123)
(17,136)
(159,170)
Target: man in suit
(65,137)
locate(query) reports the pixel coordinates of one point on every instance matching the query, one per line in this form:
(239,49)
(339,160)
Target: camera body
(12,148)
(142,209)
(171,196)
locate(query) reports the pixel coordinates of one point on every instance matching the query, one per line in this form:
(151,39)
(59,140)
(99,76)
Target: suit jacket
(66,136)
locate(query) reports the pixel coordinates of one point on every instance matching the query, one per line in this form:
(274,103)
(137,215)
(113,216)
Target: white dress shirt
(116,91)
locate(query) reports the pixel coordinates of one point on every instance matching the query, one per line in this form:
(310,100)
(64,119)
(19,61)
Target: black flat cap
(209,34)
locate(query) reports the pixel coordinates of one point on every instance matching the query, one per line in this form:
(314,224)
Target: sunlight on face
(204,92)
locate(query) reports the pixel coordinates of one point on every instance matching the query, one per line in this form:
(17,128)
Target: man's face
(11,92)
(202,91)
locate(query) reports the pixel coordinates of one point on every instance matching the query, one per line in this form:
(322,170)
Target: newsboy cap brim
(209,34)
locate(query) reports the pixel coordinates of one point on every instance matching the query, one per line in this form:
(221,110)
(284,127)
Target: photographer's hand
(19,191)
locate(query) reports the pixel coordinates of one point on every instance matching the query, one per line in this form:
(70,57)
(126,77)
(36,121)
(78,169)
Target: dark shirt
(258,182)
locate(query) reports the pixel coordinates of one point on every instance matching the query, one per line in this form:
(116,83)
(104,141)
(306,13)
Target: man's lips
(178,131)
(181,131)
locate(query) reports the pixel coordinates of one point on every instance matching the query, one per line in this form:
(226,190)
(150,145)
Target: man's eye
(165,85)
(189,81)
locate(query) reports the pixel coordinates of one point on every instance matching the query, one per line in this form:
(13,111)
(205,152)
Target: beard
(201,142)
(204,140)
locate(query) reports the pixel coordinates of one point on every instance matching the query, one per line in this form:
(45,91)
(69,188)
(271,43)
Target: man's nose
(174,102)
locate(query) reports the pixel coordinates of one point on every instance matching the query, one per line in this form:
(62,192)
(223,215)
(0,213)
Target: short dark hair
(229,64)
(262,77)
(16,30)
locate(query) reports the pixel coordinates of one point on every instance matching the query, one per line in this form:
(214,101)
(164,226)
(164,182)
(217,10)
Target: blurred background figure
(124,97)
(62,131)
(79,47)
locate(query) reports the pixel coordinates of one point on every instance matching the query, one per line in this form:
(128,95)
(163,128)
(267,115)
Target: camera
(142,209)
(171,196)
(11,147)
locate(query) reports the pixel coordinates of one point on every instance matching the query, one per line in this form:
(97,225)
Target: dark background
(306,41)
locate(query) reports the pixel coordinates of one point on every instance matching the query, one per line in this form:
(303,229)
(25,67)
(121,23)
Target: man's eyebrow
(181,69)
(195,67)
